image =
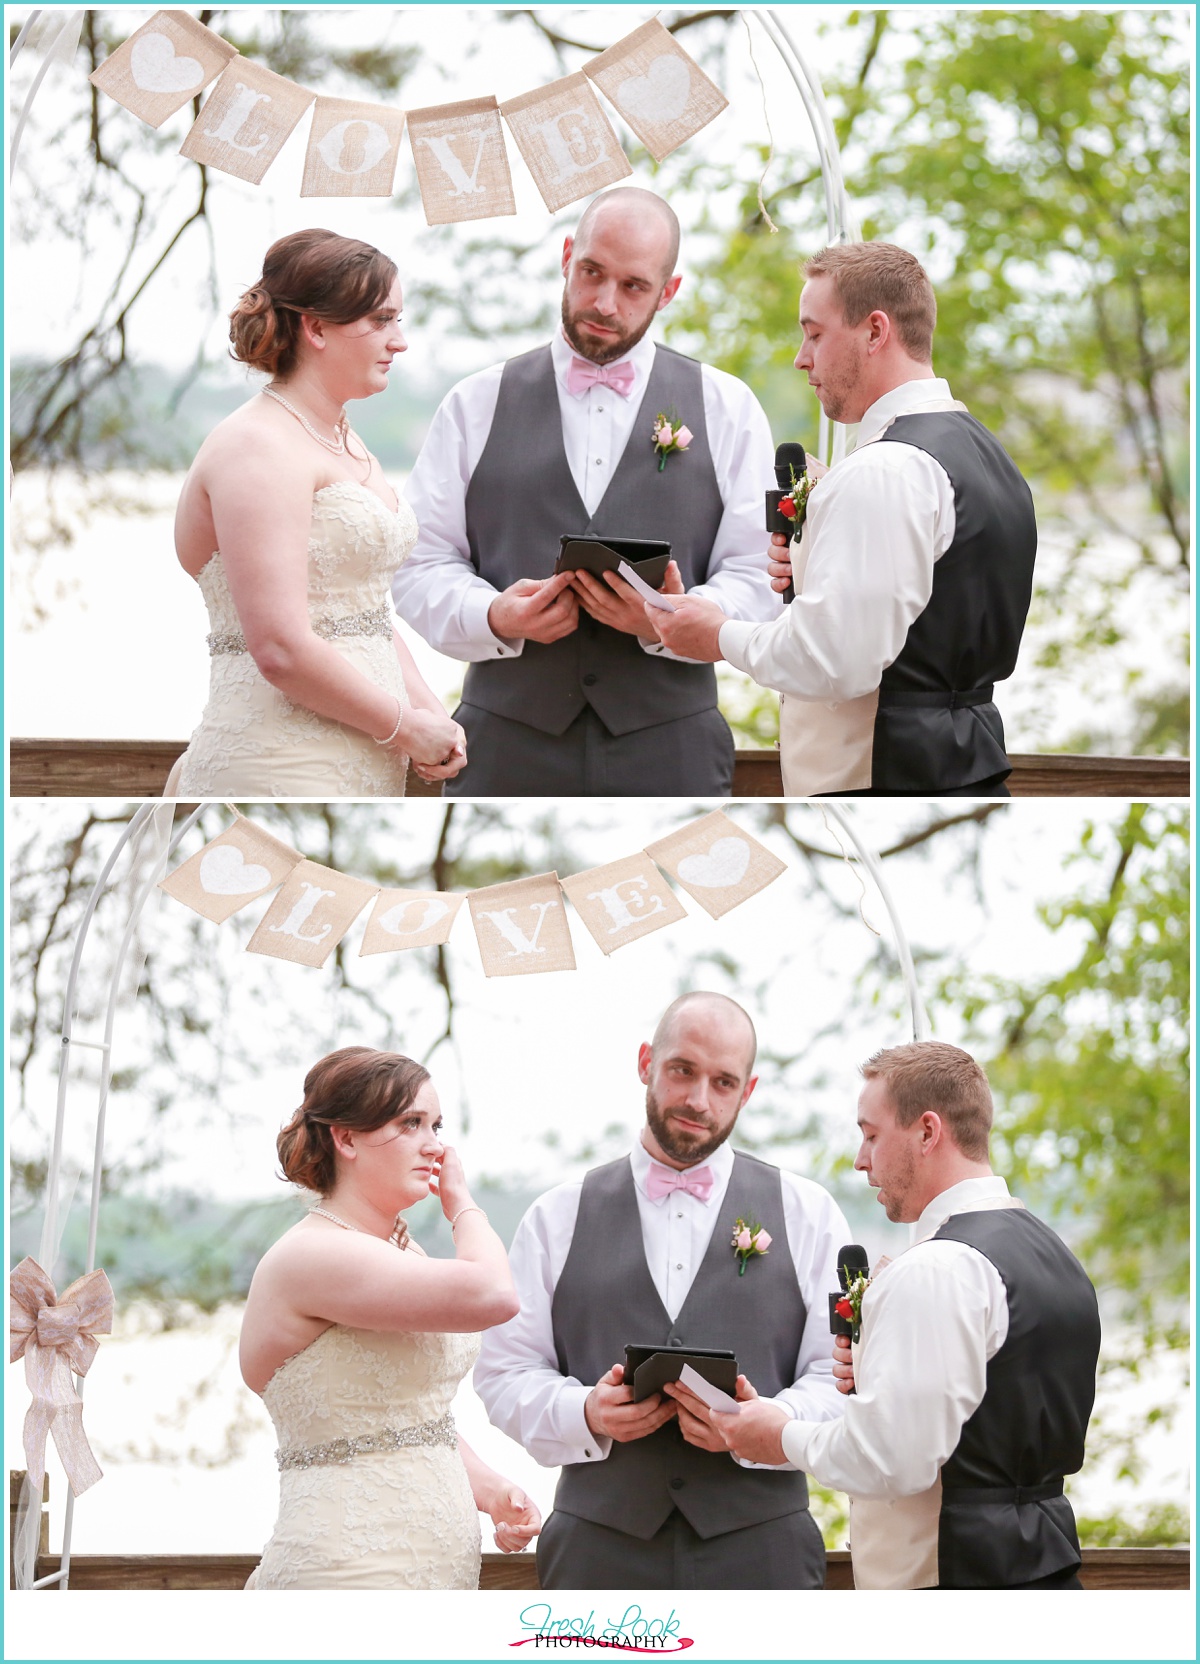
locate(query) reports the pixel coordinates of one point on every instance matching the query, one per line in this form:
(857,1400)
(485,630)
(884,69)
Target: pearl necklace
(398,1238)
(337,446)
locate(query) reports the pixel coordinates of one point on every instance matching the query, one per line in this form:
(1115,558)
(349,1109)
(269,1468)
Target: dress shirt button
(679,1268)
(590,680)
(599,407)
(599,462)
(677,1484)
(679,1215)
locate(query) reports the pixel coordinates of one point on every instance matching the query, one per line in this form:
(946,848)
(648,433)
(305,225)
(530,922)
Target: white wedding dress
(379,1518)
(254,742)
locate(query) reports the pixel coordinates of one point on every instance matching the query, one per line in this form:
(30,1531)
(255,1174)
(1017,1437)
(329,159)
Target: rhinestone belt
(339,1451)
(376,622)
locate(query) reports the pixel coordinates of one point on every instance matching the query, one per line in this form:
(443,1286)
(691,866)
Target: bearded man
(641,1252)
(569,690)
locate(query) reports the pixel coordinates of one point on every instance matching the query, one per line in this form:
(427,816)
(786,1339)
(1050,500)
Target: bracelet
(461,1211)
(396,729)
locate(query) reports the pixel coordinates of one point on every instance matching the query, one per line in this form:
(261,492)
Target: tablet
(588,552)
(649,1368)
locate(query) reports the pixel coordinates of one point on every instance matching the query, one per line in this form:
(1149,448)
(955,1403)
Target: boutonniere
(794,506)
(749,1240)
(849,1307)
(669,435)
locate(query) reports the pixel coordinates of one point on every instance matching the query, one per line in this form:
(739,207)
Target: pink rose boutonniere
(670,435)
(749,1240)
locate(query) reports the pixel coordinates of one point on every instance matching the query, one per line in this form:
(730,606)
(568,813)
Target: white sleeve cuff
(475,623)
(582,1444)
(734,639)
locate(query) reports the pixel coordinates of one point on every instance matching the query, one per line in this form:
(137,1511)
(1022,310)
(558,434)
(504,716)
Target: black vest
(937,726)
(606,1300)
(520,501)
(1004,1519)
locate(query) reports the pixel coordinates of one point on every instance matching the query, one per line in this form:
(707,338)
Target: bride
(356,1343)
(293,534)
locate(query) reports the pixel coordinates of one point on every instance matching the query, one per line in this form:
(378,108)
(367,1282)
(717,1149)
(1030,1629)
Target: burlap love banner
(716,862)
(522,927)
(409,919)
(623,901)
(162,65)
(462,165)
(458,149)
(352,149)
(233,870)
(246,120)
(310,915)
(664,96)
(567,141)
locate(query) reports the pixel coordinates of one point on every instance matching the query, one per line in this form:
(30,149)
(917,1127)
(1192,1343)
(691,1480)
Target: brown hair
(357,1088)
(928,1074)
(335,278)
(880,277)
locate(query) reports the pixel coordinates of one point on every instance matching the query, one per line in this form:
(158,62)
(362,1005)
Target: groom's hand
(756,1432)
(692,630)
(535,609)
(611,1413)
(843,1364)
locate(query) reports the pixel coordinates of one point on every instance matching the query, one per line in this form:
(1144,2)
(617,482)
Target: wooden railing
(1103,1568)
(138,768)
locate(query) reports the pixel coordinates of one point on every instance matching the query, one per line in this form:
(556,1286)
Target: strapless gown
(254,742)
(384,1518)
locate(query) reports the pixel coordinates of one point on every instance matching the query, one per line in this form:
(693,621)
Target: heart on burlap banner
(246,120)
(236,868)
(522,927)
(662,93)
(717,863)
(566,139)
(162,65)
(310,915)
(623,901)
(409,919)
(462,165)
(352,149)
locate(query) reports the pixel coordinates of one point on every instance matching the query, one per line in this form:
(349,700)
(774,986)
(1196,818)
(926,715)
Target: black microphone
(852,1262)
(789,460)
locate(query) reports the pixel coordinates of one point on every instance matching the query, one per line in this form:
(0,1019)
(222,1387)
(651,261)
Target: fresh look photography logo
(633,1631)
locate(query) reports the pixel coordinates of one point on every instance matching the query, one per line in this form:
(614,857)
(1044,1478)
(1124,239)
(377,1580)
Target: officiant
(914,571)
(641,1252)
(569,691)
(975,1371)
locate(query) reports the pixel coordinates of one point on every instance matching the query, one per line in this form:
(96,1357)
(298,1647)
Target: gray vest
(606,1300)
(521,499)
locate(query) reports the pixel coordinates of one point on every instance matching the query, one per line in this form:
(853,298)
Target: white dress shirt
(863,573)
(517,1374)
(438,591)
(930,1322)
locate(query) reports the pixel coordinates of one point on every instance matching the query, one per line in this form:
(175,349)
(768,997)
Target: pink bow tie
(583,375)
(661,1181)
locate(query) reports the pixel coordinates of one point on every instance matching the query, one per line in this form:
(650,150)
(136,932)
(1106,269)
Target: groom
(569,691)
(976,1369)
(641,1253)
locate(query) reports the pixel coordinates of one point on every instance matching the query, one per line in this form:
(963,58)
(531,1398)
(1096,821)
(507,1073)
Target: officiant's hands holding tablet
(535,609)
(610,600)
(611,1412)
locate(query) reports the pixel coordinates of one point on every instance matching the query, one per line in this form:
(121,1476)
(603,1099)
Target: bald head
(715,1010)
(636,216)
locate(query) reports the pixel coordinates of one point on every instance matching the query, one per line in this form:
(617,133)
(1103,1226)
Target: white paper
(664,603)
(707,1393)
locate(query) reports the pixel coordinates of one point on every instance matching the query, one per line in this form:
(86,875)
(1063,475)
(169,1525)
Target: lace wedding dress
(254,742)
(373,1492)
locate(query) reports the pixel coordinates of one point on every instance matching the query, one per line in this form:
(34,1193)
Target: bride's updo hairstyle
(356,1088)
(335,278)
